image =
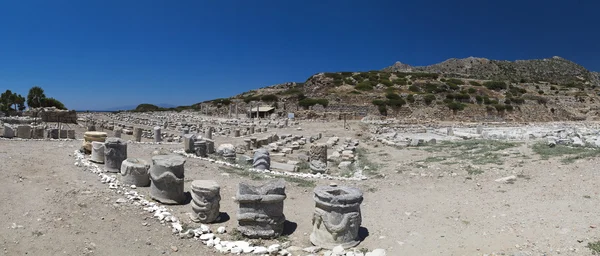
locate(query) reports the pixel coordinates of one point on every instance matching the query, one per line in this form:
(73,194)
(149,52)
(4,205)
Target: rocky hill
(553,70)
(471,89)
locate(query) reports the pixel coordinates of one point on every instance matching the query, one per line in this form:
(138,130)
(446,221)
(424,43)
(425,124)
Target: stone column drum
(210,146)
(337,217)
(157,134)
(260,213)
(236,133)
(134,171)
(188,143)
(208,133)
(206,200)
(118,132)
(261,160)
(200,148)
(317,156)
(88,138)
(167,176)
(97,152)
(137,134)
(115,152)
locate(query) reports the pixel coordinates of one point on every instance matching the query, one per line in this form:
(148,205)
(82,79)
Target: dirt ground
(435,200)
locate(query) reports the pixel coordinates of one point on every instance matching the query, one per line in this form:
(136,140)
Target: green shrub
(392,96)
(292,91)
(552,87)
(428,98)
(424,75)
(454,81)
(516,91)
(474,83)
(396,103)
(364,86)
(334,76)
(540,92)
(479,99)
(349,81)
(495,85)
(471,90)
(414,88)
(355,92)
(387,83)
(499,107)
(455,106)
(382,110)
(268,98)
(400,81)
(410,98)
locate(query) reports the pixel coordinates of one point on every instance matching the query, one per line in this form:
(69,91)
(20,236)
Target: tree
(52,102)
(36,97)
(20,102)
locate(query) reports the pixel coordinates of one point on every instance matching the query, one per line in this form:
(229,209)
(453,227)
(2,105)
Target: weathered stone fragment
(137,134)
(134,171)
(188,143)
(262,160)
(200,148)
(260,212)
(157,134)
(115,152)
(97,152)
(167,174)
(24,131)
(337,217)
(205,201)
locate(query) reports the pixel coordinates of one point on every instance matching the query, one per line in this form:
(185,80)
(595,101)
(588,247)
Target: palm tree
(35,97)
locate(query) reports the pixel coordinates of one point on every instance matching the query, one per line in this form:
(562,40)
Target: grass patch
(478,152)
(300,182)
(594,247)
(569,154)
(364,161)
(259,176)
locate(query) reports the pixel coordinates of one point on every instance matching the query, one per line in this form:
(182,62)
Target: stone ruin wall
(53,115)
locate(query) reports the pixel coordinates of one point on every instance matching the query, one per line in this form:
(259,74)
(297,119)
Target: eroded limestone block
(115,152)
(200,148)
(88,138)
(337,217)
(210,146)
(317,156)
(134,171)
(261,160)
(24,131)
(260,213)
(206,200)
(37,132)
(208,133)
(137,134)
(157,134)
(9,132)
(167,174)
(97,152)
(188,143)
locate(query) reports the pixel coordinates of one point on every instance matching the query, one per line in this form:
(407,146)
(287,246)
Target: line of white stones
(165,216)
(280,173)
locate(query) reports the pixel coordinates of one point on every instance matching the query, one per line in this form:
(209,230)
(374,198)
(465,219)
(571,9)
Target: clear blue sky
(100,54)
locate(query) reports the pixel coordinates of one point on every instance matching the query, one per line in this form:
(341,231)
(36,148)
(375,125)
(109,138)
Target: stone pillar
(286,122)
(53,134)
(37,132)
(253,140)
(248,144)
(229,114)
(167,176)
(185,131)
(449,131)
(261,160)
(337,217)
(157,134)
(118,132)
(317,157)
(71,134)
(236,111)
(200,148)
(260,213)
(137,134)
(209,132)
(134,171)
(251,129)
(97,152)
(236,133)
(115,152)
(188,143)
(210,146)
(9,132)
(24,131)
(206,200)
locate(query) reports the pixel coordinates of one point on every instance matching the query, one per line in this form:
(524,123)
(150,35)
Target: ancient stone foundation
(115,152)
(167,176)
(261,160)
(97,152)
(337,217)
(200,148)
(260,212)
(206,199)
(134,171)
